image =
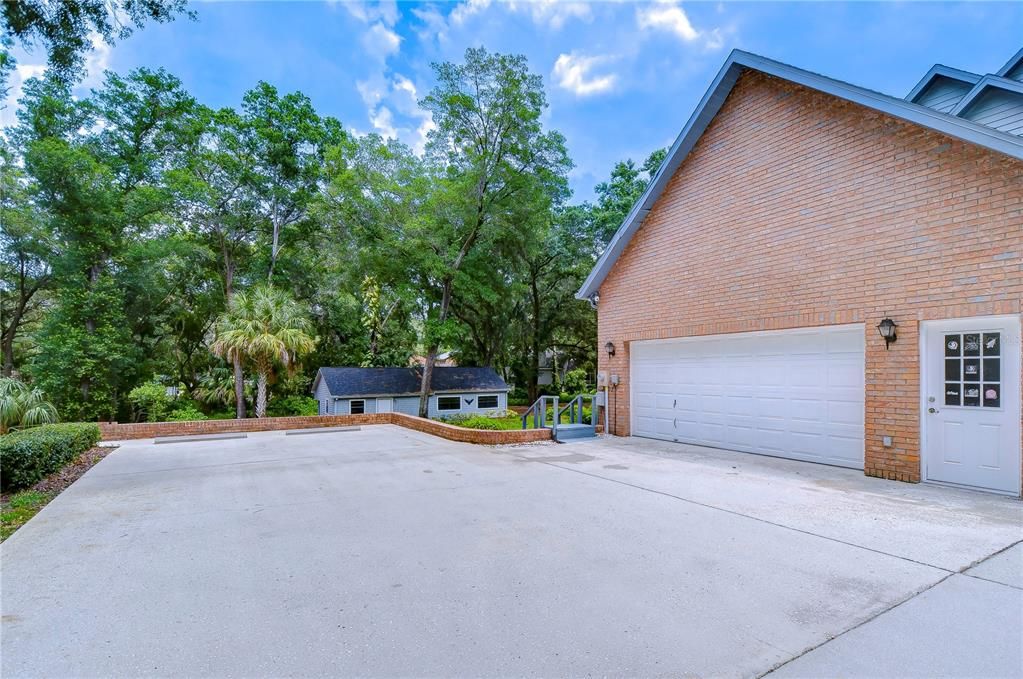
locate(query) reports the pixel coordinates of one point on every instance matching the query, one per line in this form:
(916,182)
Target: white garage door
(790,393)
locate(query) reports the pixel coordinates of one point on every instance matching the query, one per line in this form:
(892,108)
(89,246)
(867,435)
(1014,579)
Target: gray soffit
(940,71)
(737,63)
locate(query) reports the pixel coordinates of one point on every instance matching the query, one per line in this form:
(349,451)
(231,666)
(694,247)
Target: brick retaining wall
(113,431)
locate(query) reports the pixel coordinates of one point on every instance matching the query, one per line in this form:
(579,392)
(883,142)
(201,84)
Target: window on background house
(488,402)
(357,407)
(449,402)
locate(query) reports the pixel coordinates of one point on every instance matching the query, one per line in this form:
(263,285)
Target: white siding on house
(943,94)
(998,109)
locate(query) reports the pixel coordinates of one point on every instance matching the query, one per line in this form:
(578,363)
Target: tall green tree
(215,187)
(65,28)
(26,248)
(264,327)
(490,151)
(617,195)
(97,165)
(284,138)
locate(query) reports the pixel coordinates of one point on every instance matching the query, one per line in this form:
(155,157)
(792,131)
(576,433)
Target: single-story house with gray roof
(455,390)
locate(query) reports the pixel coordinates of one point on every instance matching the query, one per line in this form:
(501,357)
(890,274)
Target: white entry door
(971,417)
(385,405)
(788,393)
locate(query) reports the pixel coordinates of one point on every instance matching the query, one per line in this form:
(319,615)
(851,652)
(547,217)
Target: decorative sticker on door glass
(992,343)
(973,370)
(952,369)
(992,370)
(953,345)
(971,345)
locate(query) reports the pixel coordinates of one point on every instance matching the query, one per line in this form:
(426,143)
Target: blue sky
(621,77)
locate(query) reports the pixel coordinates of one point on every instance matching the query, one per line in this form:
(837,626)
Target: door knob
(932,410)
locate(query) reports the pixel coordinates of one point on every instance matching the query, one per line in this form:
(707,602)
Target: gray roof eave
(1011,63)
(937,71)
(738,62)
(416,393)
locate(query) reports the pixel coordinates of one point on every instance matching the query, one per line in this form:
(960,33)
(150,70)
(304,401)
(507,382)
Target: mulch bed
(58,481)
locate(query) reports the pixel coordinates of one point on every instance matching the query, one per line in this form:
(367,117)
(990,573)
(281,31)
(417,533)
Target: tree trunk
(424,390)
(236,361)
(239,389)
(533,375)
(261,380)
(431,352)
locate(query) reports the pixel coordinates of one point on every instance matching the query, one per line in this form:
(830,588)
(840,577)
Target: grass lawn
(17,509)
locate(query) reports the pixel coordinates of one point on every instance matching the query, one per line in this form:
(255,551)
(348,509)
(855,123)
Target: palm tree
(262,327)
(23,406)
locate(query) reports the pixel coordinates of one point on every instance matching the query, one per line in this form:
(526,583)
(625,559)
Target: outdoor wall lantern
(610,349)
(887,329)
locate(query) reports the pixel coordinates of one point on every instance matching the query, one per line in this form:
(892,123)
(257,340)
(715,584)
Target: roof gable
(350,381)
(1013,68)
(985,85)
(937,73)
(737,63)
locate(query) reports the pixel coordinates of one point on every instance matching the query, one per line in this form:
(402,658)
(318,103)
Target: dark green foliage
(188,413)
(29,455)
(292,405)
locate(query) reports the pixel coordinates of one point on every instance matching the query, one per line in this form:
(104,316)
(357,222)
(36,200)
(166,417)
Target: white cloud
(385,11)
(434,25)
(666,16)
(573,73)
(16,87)
(466,10)
(383,122)
(96,62)
(552,13)
(392,107)
(380,41)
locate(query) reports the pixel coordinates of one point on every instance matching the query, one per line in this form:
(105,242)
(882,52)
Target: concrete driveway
(386,552)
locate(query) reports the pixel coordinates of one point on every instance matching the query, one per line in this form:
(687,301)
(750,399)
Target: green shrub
(188,413)
(29,455)
(150,401)
(293,405)
(575,381)
(479,422)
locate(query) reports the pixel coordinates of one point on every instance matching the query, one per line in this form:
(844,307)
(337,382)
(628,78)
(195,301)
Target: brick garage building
(741,297)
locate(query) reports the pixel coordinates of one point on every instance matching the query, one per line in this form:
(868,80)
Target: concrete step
(575,431)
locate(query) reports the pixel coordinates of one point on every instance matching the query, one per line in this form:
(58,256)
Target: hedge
(28,455)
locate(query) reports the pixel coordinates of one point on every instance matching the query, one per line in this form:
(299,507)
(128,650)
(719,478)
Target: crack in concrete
(947,572)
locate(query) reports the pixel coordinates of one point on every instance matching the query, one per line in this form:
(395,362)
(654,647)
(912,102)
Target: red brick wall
(799,209)
(112,431)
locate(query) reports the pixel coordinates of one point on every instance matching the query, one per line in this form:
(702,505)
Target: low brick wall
(113,431)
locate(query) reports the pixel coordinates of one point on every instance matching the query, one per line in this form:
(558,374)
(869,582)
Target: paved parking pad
(388,552)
